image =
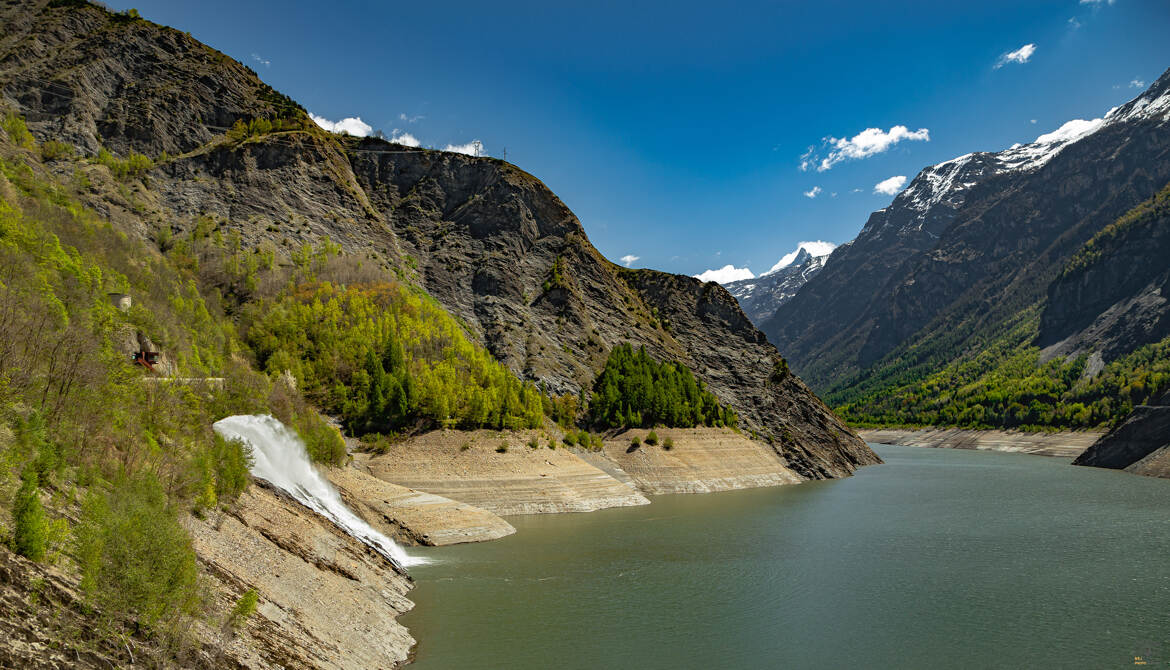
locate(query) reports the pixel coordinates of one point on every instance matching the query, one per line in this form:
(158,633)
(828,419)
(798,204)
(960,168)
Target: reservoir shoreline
(1066,444)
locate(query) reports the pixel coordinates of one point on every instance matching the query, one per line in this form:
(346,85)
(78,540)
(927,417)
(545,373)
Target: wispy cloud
(867,143)
(472,148)
(807,159)
(263,61)
(890,186)
(1137,83)
(816,190)
(1097,2)
(1074,23)
(725,274)
(1021,55)
(628,259)
(352,125)
(410,119)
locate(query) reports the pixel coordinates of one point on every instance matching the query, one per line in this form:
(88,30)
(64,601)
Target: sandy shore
(1061,445)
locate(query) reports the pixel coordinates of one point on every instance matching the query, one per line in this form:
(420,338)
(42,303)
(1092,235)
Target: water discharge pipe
(279,457)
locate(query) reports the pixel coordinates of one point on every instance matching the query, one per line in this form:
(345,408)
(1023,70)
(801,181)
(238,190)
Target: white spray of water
(279,457)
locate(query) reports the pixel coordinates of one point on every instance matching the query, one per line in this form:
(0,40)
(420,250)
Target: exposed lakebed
(939,558)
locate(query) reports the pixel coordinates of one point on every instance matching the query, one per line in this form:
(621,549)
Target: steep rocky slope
(762,296)
(327,600)
(1114,295)
(480,235)
(967,245)
(1140,445)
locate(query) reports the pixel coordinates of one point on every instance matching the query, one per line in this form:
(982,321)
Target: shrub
(378,443)
(668,443)
(53,150)
(135,557)
(652,438)
(465,446)
(503,448)
(32,529)
(570,439)
(132,166)
(533,443)
(223,466)
(245,608)
(635,442)
(552,444)
(323,442)
(17,131)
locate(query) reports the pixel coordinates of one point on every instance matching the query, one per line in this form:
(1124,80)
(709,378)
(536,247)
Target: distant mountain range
(761,296)
(992,269)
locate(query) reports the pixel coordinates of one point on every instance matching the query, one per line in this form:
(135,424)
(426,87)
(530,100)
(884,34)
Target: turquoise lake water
(937,559)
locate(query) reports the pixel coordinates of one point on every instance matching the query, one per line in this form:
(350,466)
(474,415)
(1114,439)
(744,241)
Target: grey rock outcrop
(1140,445)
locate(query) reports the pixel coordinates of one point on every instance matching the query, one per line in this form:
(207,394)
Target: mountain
(761,296)
(488,241)
(956,273)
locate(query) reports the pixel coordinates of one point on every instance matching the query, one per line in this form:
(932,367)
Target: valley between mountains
(430,339)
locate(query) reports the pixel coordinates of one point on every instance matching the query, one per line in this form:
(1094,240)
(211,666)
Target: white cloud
(817,248)
(1032,121)
(410,119)
(1097,2)
(890,186)
(628,259)
(1137,83)
(807,159)
(864,144)
(816,190)
(351,125)
(1072,21)
(263,61)
(727,273)
(405,139)
(472,148)
(1021,55)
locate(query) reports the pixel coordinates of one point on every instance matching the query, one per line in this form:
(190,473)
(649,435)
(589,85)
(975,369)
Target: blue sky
(675,131)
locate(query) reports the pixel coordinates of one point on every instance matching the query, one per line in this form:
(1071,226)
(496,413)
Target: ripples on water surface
(938,559)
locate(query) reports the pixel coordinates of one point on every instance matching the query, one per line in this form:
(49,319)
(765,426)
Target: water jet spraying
(279,457)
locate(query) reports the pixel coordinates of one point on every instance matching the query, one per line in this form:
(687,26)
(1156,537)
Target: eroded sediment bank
(1061,445)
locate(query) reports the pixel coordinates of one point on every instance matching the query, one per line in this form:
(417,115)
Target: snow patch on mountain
(815,249)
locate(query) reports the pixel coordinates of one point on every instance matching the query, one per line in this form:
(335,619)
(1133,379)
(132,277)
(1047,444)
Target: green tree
(31,531)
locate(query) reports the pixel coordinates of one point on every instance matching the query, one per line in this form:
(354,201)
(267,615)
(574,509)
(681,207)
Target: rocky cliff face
(1114,296)
(970,242)
(762,296)
(1140,445)
(479,234)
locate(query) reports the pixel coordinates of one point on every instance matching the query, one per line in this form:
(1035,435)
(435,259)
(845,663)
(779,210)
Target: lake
(938,559)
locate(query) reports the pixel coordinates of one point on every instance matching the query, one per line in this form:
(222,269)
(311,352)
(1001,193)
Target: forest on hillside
(1002,383)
